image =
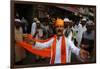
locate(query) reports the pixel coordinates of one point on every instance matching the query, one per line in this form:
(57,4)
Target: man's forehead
(59,26)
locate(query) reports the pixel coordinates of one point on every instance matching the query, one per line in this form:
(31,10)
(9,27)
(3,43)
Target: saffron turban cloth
(59,22)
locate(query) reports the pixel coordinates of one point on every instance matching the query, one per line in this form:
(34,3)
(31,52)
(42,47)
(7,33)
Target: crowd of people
(80,31)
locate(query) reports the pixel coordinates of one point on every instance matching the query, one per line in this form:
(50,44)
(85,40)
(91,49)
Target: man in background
(20,53)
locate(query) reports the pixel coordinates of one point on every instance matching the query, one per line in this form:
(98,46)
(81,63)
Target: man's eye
(56,26)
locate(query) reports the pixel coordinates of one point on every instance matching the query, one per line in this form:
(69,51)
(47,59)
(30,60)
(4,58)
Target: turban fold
(59,22)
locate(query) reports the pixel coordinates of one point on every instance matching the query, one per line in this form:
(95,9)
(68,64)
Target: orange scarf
(63,51)
(37,40)
(46,52)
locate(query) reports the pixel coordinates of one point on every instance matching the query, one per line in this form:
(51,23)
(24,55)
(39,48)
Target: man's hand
(32,42)
(84,55)
(27,40)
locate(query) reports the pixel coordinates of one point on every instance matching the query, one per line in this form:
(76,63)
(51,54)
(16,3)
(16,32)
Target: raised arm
(44,44)
(73,48)
(83,54)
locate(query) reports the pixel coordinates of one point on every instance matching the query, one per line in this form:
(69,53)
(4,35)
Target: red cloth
(63,50)
(44,52)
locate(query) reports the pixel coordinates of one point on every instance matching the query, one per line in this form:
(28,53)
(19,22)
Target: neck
(83,25)
(58,36)
(17,27)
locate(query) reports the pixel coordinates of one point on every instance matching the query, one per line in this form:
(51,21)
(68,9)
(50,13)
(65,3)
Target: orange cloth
(44,52)
(30,37)
(59,22)
(63,50)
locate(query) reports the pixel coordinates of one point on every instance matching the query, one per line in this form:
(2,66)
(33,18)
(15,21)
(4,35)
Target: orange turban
(59,22)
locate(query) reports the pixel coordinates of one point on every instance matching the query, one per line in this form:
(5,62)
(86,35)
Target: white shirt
(69,47)
(79,30)
(33,28)
(39,34)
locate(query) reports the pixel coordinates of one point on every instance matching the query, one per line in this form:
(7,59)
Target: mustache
(59,30)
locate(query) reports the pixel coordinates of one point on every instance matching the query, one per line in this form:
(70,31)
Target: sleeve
(44,44)
(73,48)
(70,36)
(33,29)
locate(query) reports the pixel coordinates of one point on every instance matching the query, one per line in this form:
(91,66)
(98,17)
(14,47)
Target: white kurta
(79,29)
(19,51)
(69,47)
(33,28)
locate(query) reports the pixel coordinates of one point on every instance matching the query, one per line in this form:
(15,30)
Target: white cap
(37,21)
(84,19)
(18,20)
(90,22)
(66,20)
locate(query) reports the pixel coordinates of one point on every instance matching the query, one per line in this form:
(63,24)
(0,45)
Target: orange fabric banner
(43,53)
(30,37)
